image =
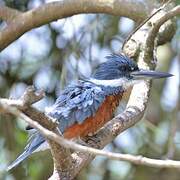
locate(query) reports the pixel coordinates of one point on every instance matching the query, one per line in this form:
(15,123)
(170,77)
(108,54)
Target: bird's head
(120,70)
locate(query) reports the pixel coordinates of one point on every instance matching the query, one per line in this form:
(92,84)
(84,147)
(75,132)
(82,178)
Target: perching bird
(85,107)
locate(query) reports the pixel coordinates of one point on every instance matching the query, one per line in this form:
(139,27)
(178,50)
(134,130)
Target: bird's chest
(92,124)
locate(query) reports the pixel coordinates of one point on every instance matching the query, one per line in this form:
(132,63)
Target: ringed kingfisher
(85,107)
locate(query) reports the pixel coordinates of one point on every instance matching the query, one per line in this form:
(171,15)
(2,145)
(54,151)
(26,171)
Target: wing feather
(77,103)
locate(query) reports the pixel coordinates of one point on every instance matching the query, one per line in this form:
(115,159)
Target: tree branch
(138,159)
(61,156)
(66,8)
(8,14)
(157,24)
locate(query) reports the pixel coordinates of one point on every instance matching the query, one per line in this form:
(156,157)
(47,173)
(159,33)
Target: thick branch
(8,14)
(65,8)
(157,24)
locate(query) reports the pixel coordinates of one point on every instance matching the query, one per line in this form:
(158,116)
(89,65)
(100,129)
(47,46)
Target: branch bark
(63,162)
(136,159)
(44,14)
(8,14)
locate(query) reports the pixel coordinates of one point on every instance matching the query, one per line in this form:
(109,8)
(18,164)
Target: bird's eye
(134,68)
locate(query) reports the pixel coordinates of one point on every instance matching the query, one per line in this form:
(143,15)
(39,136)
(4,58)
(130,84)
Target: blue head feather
(115,67)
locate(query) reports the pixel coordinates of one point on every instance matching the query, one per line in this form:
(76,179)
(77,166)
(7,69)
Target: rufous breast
(93,123)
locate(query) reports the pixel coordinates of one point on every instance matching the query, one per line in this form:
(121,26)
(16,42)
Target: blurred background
(54,55)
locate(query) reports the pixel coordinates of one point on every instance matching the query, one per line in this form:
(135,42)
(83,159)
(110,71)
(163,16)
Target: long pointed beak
(149,74)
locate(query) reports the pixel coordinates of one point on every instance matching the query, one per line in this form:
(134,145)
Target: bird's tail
(19,159)
(35,142)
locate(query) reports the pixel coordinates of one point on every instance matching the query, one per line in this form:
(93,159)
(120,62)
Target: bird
(84,107)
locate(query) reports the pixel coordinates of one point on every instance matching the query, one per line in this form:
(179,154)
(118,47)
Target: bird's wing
(77,103)
(74,105)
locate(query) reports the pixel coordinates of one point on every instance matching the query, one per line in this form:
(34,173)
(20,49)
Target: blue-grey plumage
(83,100)
(35,141)
(117,66)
